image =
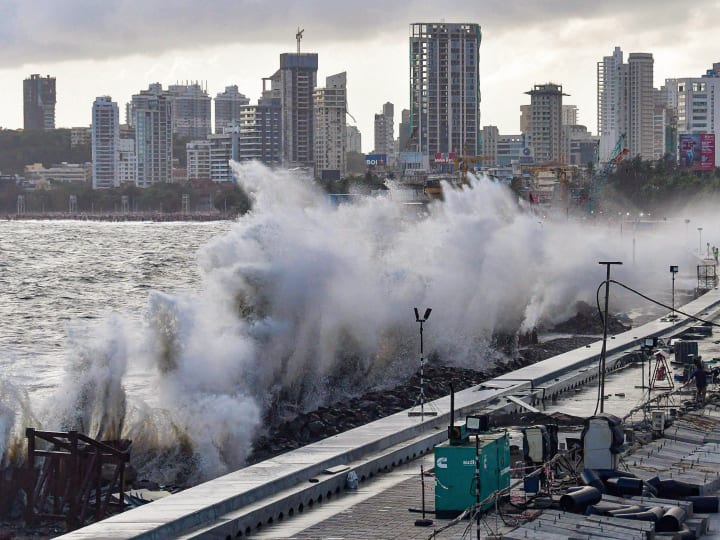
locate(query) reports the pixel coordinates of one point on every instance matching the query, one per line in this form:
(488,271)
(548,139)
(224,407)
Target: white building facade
(152,119)
(105,143)
(330,137)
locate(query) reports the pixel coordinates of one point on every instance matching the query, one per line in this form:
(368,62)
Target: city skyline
(238,43)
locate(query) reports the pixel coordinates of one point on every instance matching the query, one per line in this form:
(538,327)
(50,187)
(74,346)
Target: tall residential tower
(626,104)
(385,130)
(297,81)
(105,143)
(330,137)
(445,88)
(227,108)
(191,110)
(39,102)
(544,135)
(152,118)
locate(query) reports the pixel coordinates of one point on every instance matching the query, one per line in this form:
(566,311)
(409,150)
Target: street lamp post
(687,222)
(422,320)
(673,271)
(605,330)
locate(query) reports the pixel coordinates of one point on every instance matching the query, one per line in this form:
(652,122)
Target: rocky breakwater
(585,327)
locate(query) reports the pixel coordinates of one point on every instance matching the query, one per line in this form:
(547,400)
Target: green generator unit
(455,471)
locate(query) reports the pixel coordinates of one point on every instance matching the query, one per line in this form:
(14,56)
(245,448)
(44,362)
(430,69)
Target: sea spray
(15,414)
(303,303)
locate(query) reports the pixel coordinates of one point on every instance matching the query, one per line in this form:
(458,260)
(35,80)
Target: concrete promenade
(249,500)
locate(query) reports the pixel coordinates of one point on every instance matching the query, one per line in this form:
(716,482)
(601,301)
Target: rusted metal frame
(107,449)
(119,481)
(43,485)
(71,518)
(73,471)
(82,483)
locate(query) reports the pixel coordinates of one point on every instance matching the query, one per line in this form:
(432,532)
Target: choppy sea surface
(59,275)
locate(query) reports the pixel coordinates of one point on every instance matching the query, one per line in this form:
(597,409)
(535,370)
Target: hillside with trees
(19,148)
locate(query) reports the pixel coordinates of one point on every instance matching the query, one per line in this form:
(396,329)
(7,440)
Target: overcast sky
(117,47)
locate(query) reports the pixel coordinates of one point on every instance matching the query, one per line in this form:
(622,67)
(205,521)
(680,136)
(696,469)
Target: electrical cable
(649,299)
(711,323)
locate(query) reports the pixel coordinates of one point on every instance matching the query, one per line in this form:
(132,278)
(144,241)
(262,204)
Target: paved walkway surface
(379,508)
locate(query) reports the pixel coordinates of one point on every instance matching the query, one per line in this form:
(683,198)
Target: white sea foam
(303,302)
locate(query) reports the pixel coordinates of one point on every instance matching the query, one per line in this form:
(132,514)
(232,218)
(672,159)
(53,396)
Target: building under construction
(445,88)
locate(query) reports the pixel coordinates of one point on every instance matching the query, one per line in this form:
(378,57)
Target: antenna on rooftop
(298,37)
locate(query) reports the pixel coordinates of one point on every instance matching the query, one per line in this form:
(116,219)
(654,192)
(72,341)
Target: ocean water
(182,336)
(63,276)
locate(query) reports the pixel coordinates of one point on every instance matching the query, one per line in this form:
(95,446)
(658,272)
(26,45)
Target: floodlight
(472,424)
(427,314)
(417,314)
(674,269)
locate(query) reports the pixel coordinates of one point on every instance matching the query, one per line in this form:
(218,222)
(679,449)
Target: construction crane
(600,175)
(298,37)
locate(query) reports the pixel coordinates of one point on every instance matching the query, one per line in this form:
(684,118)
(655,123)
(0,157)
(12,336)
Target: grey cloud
(37,31)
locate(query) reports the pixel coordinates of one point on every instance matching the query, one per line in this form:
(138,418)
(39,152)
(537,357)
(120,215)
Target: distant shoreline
(116,217)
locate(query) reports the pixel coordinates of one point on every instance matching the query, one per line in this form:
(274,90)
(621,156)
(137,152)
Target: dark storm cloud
(33,31)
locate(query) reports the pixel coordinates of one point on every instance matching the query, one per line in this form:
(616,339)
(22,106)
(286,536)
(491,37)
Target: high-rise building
(39,102)
(641,105)
(610,102)
(260,127)
(489,136)
(569,115)
(698,109)
(524,118)
(404,131)
(105,143)
(198,160)
(445,87)
(578,145)
(544,134)
(227,108)
(191,110)
(296,81)
(626,104)
(330,137)
(152,113)
(224,147)
(385,130)
(354,139)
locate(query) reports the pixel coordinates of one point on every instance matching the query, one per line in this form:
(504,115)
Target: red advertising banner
(707,152)
(444,158)
(697,151)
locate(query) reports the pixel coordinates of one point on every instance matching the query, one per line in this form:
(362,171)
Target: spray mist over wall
(303,303)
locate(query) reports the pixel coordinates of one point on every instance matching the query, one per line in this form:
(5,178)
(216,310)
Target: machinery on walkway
(471,465)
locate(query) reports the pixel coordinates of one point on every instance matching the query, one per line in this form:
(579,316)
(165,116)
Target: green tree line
(19,148)
(653,184)
(227,198)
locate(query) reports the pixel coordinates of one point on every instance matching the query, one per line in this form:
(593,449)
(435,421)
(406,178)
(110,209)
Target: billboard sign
(697,151)
(411,157)
(445,158)
(376,160)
